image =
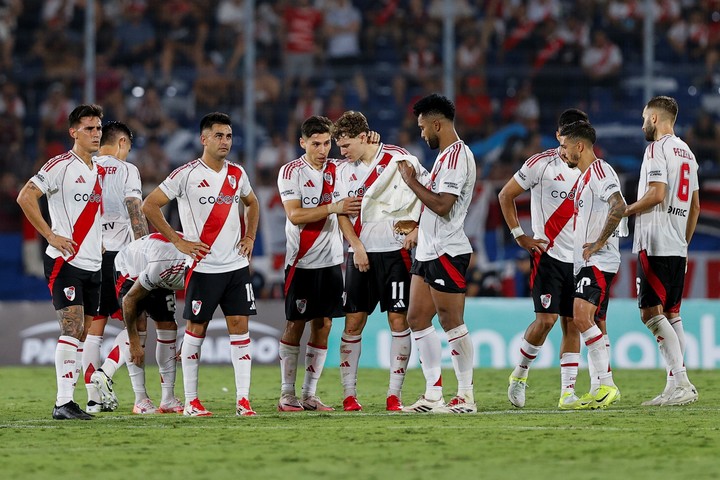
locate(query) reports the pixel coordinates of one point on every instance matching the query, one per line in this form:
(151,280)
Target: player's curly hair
(435,104)
(351,124)
(316,124)
(84,110)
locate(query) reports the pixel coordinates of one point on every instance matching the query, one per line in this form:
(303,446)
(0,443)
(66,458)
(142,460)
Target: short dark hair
(351,124)
(579,130)
(84,110)
(666,104)
(316,124)
(213,118)
(571,115)
(113,131)
(435,104)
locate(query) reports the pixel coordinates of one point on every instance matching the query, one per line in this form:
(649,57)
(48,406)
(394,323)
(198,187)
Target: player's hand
(137,353)
(197,250)
(532,245)
(346,206)
(411,240)
(589,249)
(407,171)
(361,260)
(64,244)
(373,137)
(245,246)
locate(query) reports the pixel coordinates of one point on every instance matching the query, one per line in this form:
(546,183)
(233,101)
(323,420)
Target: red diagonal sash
(376,172)
(561,216)
(311,231)
(219,213)
(86,219)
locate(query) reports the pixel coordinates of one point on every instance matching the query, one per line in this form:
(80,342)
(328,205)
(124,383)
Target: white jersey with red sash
(153,261)
(353,180)
(594,189)
(661,230)
(209,206)
(74,195)
(318,244)
(122,180)
(552,186)
(453,172)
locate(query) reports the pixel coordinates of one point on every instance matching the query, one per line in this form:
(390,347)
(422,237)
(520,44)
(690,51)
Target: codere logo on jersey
(88,197)
(220,199)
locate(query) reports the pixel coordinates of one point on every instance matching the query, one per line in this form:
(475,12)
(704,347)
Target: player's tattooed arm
(616,212)
(71,321)
(138,222)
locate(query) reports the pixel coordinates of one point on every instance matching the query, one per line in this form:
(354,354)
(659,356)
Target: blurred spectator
(703,137)
(342,36)
(267,94)
(109,88)
(301,27)
(271,156)
(523,107)
(153,164)
(9,11)
(135,43)
(470,56)
(412,142)
(58,53)
(185,31)
(420,63)
(10,214)
(438,9)
(11,103)
(148,118)
(473,109)
(602,62)
(211,88)
(54,111)
(228,38)
(336,104)
(308,104)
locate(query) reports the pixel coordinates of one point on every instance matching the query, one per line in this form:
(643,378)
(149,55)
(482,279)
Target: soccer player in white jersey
(443,253)
(313,274)
(377,268)
(209,191)
(552,188)
(73,185)
(599,208)
(666,212)
(122,222)
(149,271)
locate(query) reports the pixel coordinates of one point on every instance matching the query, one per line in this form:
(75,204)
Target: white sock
(528,353)
(598,360)
(315,356)
(595,379)
(400,347)
(241,354)
(192,345)
(116,358)
(91,361)
(288,367)
(66,366)
(137,374)
(78,363)
(428,343)
(165,352)
(677,325)
(669,347)
(461,353)
(350,348)
(568,372)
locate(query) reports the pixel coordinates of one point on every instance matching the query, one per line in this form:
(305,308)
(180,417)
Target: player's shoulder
(292,168)
(185,169)
(543,158)
(236,165)
(64,159)
(395,150)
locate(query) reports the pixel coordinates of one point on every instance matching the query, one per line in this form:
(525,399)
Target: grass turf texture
(624,441)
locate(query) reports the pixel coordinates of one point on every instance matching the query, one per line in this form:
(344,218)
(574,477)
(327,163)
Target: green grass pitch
(538,442)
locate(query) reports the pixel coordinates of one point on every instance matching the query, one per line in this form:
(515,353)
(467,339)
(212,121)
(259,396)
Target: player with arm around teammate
(209,191)
(666,212)
(313,273)
(552,187)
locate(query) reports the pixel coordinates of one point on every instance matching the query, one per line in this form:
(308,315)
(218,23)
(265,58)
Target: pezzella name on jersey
(219,199)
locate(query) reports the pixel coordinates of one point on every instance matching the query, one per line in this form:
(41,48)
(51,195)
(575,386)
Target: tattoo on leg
(71,321)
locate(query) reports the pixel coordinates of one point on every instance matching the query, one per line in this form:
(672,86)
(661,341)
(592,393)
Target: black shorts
(593,285)
(552,285)
(159,304)
(109,305)
(231,290)
(660,281)
(313,293)
(387,282)
(445,274)
(70,285)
